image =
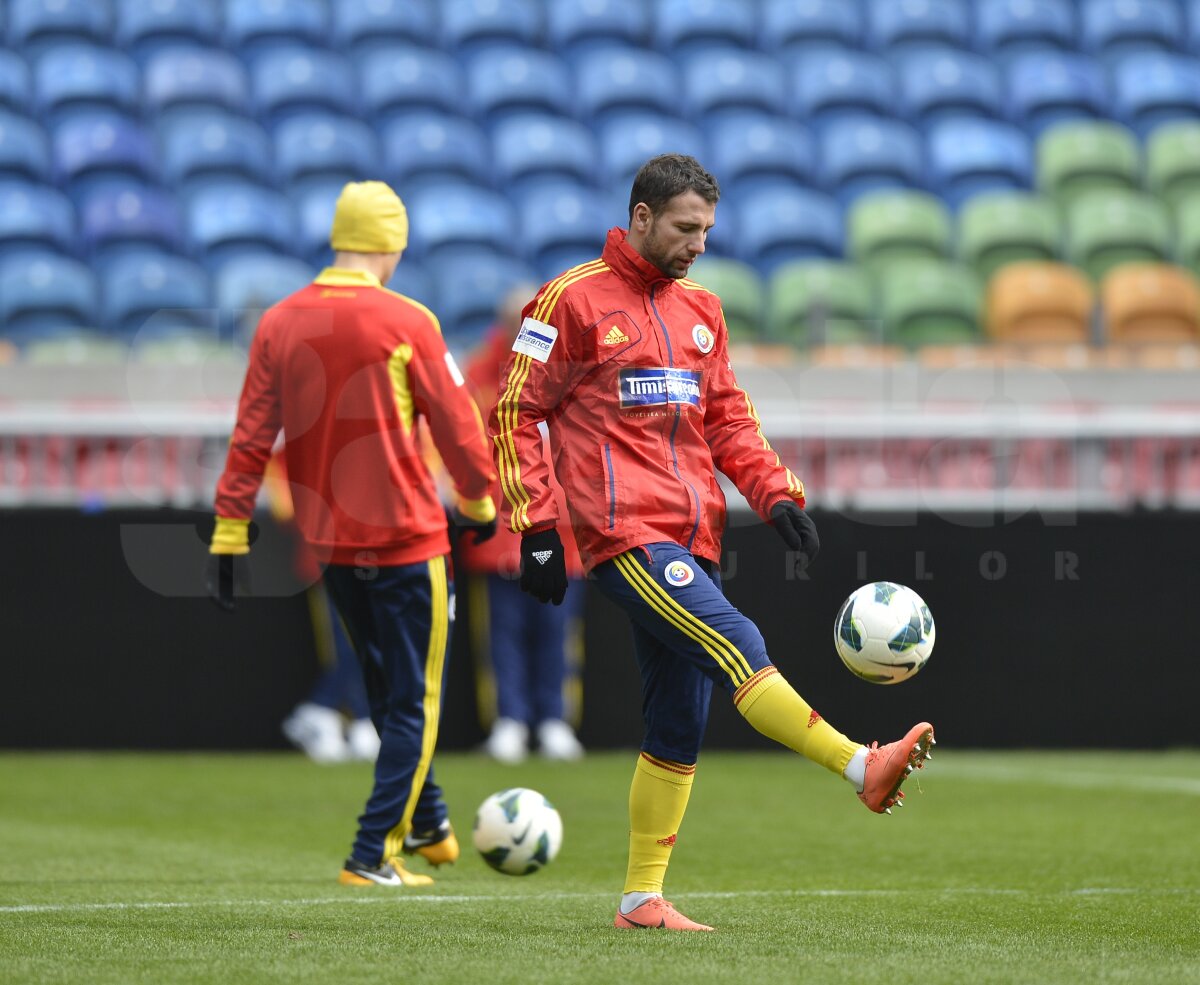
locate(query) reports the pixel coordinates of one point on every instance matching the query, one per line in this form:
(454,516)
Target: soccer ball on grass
(517,831)
(884,633)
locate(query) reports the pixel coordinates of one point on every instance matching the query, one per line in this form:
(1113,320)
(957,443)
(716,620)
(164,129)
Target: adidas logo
(542,556)
(615,336)
(813,718)
(668,842)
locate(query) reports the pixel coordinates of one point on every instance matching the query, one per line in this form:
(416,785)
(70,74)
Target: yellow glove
(226,567)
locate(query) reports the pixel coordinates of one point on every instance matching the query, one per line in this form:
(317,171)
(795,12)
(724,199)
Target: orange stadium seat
(1151,302)
(1039,302)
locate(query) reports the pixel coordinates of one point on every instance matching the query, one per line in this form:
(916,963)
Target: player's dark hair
(661,178)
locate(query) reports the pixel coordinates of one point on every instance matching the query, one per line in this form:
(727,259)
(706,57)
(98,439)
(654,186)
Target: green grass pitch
(1030,867)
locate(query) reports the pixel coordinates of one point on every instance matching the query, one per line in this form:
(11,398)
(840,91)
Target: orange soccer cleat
(656,913)
(888,767)
(437,846)
(389,872)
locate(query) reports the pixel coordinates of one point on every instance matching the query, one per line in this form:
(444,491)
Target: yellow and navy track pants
(686,635)
(398,619)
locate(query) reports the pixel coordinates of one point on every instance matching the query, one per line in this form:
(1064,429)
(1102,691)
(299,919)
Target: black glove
(798,532)
(227,575)
(543,566)
(461,524)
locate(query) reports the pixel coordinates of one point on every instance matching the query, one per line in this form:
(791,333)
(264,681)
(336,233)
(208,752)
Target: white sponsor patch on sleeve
(535,339)
(455,372)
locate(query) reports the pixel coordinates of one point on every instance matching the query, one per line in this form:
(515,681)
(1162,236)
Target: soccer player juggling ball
(345,368)
(627,362)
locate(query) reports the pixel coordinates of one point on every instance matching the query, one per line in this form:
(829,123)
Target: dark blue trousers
(398,619)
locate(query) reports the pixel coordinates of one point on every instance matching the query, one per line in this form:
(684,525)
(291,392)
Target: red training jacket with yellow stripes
(630,370)
(345,367)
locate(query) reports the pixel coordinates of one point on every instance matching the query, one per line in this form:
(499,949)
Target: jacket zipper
(612,486)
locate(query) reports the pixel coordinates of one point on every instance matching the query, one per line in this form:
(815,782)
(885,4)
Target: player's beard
(672,264)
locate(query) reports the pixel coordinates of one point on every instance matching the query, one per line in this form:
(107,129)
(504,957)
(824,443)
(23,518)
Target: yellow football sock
(769,703)
(658,797)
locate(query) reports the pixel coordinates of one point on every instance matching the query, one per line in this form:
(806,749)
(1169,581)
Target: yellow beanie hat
(369,218)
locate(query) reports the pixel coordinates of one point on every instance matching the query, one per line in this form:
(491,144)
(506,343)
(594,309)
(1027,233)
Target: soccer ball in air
(884,633)
(517,831)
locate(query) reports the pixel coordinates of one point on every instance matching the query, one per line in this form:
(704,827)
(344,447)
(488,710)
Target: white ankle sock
(856,769)
(631,901)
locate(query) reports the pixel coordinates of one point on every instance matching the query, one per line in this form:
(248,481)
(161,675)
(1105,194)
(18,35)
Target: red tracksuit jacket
(631,372)
(345,366)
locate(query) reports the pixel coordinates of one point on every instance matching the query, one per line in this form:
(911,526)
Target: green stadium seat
(1082,156)
(889,226)
(821,302)
(1173,161)
(741,292)
(929,302)
(1187,222)
(999,228)
(1108,228)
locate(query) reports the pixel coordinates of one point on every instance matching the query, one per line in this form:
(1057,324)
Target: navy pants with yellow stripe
(398,619)
(686,636)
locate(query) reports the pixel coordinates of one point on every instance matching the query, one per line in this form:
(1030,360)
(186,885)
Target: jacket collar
(630,265)
(345,277)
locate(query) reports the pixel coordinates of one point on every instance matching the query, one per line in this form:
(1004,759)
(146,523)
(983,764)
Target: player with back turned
(626,361)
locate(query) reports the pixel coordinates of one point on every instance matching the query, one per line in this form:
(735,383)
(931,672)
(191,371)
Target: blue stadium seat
(861,155)
(361,27)
(122,216)
(561,225)
(469,26)
(34,25)
(1011,27)
(828,83)
(628,140)
(146,27)
(468,286)
(425,147)
(91,149)
(35,216)
(686,28)
(16,86)
(1045,88)
(451,215)
(24,148)
(227,220)
(255,26)
(752,151)
(71,77)
(323,147)
(789,28)
(287,80)
(966,157)
(406,79)
(411,280)
(573,28)
(314,218)
(733,81)
(242,291)
(1193,33)
(155,293)
(947,83)
(896,26)
(214,145)
(776,225)
(1154,87)
(615,80)
(1117,27)
(187,77)
(505,80)
(45,291)
(531,148)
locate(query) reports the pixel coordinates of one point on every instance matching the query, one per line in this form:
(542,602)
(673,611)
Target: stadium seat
(966,157)
(789,29)
(24,148)
(1116,27)
(732,82)
(1109,227)
(575,28)
(422,147)
(999,228)
(226,220)
(1173,161)
(503,81)
(243,290)
(1041,302)
(362,27)
(116,218)
(929,302)
(1048,88)
(468,286)
(154,294)
(35,216)
(860,155)
(828,83)
(946,84)
(412,281)
(1153,87)
(775,225)
(1193,32)
(212,146)
(16,86)
(821,302)
(897,26)
(93,148)
(561,225)
(287,81)
(1150,302)
(889,226)
(406,79)
(1011,27)
(143,28)
(324,147)
(741,292)
(183,78)
(449,216)
(71,77)
(253,27)
(469,26)
(314,219)
(44,291)
(1076,158)
(615,80)
(628,140)
(689,28)
(35,25)
(1187,225)
(529,148)
(750,151)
